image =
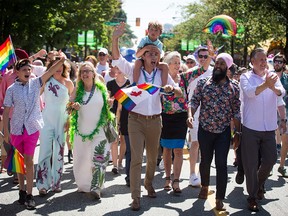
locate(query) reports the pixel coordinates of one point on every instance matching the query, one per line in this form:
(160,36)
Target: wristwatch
(238,132)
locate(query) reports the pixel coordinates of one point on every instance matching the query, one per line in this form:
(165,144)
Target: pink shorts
(25,143)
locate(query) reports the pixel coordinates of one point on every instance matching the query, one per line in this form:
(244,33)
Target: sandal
(167,187)
(176,190)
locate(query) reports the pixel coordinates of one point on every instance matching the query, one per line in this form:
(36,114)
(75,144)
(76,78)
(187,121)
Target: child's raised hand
(119,30)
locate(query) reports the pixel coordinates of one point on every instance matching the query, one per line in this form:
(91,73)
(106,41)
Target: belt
(144,116)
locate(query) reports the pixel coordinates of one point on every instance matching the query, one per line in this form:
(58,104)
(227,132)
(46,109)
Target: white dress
(90,157)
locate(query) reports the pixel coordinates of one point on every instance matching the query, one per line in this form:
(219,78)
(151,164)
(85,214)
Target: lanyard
(149,80)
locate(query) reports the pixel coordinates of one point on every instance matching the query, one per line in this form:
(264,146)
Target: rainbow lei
(105,116)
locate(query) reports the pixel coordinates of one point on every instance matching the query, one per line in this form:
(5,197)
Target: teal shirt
(284,81)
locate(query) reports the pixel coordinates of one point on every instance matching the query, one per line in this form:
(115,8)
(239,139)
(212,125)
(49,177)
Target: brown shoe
(253,205)
(135,206)
(219,205)
(151,191)
(203,193)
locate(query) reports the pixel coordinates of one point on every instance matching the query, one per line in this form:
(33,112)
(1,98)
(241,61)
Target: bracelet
(284,120)
(239,133)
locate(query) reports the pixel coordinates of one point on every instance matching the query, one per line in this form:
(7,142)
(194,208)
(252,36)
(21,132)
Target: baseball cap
(103,50)
(21,54)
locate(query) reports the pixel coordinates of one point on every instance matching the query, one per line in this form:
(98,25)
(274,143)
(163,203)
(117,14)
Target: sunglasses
(102,54)
(203,56)
(190,62)
(278,62)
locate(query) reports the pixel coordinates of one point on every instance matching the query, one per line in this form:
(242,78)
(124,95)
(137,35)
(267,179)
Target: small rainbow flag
(148,87)
(125,100)
(14,162)
(7,54)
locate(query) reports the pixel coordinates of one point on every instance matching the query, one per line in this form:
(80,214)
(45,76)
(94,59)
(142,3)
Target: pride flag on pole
(7,54)
(130,97)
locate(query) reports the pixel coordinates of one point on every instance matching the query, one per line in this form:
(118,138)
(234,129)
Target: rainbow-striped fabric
(14,162)
(7,55)
(130,97)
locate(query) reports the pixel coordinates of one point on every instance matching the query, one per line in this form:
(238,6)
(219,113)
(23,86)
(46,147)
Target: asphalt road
(116,197)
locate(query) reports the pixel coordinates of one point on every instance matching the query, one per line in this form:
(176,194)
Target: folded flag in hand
(130,97)
(14,161)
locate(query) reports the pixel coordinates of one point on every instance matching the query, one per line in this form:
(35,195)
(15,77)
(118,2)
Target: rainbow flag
(130,97)
(14,161)
(148,87)
(7,54)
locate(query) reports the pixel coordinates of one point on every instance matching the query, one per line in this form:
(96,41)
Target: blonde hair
(86,64)
(156,25)
(93,58)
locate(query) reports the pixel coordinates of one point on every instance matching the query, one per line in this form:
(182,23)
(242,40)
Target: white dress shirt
(151,106)
(259,112)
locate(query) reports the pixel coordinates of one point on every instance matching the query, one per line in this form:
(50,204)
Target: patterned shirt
(219,104)
(172,104)
(26,102)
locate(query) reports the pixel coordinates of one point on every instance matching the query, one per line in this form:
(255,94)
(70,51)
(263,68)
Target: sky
(165,11)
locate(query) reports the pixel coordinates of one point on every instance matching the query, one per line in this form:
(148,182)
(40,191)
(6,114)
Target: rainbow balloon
(221,23)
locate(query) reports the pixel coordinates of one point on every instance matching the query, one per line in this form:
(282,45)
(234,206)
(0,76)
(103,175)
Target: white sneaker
(194,180)
(161,165)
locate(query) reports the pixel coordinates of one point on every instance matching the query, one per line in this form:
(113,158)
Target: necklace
(105,115)
(147,79)
(90,96)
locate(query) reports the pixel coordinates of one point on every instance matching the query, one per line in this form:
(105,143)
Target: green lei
(105,116)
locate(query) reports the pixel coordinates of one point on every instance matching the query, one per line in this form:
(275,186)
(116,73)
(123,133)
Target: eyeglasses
(190,62)
(85,71)
(102,54)
(278,62)
(203,56)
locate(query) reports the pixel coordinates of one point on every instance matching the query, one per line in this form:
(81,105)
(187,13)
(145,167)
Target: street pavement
(116,197)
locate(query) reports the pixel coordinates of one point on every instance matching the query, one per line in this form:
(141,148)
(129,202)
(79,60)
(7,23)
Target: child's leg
(136,71)
(165,70)
(29,173)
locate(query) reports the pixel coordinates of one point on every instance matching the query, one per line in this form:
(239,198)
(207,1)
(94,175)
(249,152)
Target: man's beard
(218,74)
(279,69)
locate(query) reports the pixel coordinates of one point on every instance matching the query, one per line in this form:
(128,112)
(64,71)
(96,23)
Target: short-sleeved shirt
(26,102)
(100,68)
(146,40)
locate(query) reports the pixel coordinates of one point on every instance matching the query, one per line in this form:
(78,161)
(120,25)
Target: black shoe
(239,177)
(30,202)
(253,205)
(115,170)
(22,197)
(70,156)
(127,181)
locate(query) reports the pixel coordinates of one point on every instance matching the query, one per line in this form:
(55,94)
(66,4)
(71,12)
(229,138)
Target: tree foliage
(56,23)
(250,15)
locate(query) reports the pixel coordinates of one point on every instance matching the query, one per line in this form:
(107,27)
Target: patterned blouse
(219,104)
(172,104)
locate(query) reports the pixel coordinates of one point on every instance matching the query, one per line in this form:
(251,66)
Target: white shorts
(194,130)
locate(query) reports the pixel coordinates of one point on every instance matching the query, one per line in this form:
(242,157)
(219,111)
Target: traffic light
(137,21)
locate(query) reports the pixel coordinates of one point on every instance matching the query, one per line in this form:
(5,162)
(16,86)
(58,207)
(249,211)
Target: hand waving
(119,30)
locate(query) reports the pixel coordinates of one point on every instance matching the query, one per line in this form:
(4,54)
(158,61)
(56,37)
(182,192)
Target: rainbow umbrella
(14,161)
(221,24)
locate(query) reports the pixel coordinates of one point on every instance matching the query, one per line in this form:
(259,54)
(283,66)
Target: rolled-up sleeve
(124,66)
(246,87)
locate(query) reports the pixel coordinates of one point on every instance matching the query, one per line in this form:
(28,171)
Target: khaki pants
(142,132)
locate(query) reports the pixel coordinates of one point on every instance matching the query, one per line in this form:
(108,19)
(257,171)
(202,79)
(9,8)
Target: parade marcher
(114,86)
(259,90)
(26,121)
(89,102)
(52,136)
(102,65)
(203,58)
(154,31)
(144,122)
(218,98)
(174,116)
(279,62)
(190,61)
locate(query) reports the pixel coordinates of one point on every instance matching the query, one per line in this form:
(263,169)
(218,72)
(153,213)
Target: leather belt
(144,116)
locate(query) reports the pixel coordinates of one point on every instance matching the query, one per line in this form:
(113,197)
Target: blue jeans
(220,143)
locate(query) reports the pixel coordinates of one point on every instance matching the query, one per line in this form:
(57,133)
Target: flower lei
(105,116)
